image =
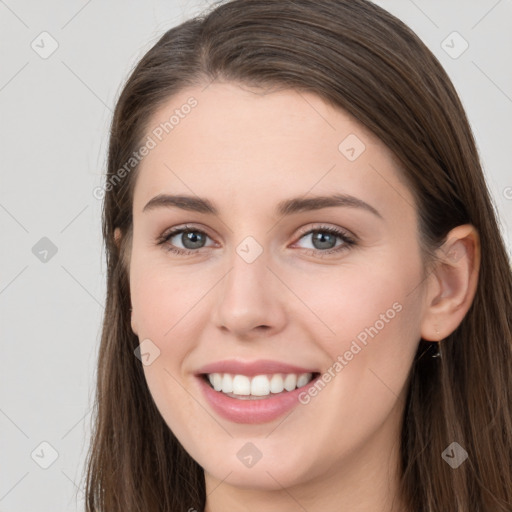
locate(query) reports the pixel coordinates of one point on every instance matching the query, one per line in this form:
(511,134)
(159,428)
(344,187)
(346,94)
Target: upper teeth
(259,385)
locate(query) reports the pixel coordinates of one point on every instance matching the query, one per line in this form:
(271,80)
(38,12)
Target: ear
(452,284)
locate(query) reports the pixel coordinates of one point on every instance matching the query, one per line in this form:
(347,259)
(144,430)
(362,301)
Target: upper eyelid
(325,226)
(180,229)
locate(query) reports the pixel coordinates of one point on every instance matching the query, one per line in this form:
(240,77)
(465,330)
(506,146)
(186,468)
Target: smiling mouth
(243,387)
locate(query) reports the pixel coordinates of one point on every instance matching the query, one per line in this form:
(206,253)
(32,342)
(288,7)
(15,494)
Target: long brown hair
(360,58)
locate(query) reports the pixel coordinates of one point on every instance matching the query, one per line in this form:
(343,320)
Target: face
(269,287)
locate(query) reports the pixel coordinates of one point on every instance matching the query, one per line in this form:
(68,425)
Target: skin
(246,151)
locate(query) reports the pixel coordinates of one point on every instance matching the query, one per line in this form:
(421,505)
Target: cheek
(163,299)
(358,299)
(376,329)
(373,318)
(165,302)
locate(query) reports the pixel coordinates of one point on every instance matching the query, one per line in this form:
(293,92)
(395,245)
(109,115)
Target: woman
(240,369)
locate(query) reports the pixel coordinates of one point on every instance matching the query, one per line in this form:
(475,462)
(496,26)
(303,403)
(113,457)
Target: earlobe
(452,284)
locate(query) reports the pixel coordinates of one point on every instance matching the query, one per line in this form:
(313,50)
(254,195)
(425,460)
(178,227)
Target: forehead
(249,147)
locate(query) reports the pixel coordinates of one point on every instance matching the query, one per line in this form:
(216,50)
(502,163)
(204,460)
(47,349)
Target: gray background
(55,113)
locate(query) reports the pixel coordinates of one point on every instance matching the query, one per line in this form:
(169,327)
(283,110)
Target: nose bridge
(248,297)
(249,275)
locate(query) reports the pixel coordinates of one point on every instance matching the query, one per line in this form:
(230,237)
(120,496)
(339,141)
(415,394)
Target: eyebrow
(286,207)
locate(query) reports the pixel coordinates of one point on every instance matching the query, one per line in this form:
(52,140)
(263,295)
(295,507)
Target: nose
(250,300)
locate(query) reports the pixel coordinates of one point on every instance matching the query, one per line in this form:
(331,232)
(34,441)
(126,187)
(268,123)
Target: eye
(324,240)
(190,237)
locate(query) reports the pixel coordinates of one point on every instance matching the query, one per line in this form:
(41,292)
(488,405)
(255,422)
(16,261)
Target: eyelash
(348,241)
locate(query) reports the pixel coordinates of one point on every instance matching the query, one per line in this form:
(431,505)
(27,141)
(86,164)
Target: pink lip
(251,411)
(260,367)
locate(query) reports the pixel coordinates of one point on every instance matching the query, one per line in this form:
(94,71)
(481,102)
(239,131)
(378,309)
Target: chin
(270,473)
